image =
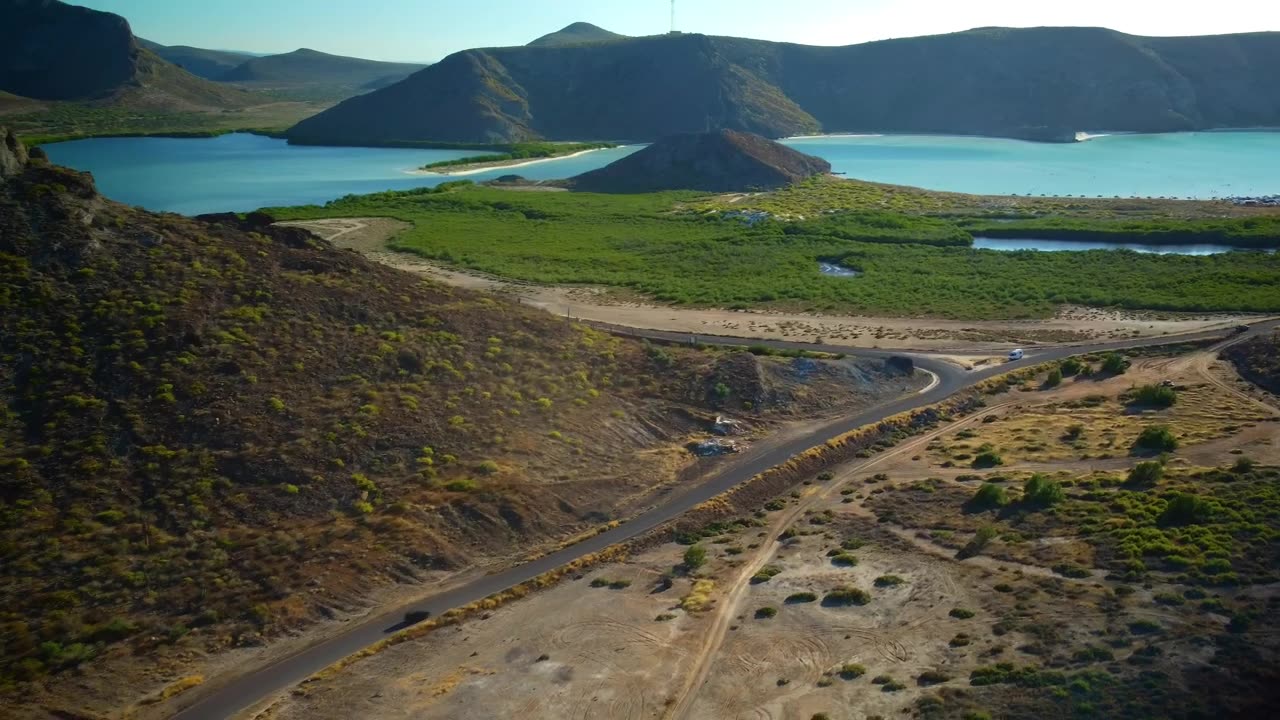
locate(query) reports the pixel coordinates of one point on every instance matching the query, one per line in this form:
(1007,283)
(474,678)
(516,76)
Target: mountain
(642,88)
(719,161)
(577,34)
(309,70)
(1040,83)
(217,429)
(208,64)
(53,51)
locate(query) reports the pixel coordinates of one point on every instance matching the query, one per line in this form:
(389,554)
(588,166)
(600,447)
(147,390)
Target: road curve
(225,700)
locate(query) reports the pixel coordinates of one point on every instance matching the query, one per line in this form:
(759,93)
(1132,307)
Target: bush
(695,557)
(889,581)
(932,677)
(1154,396)
(1069,367)
(844,560)
(800,597)
(765,575)
(987,457)
(1146,473)
(1042,492)
(990,496)
(847,596)
(1185,509)
(852,671)
(1114,363)
(766,612)
(1157,438)
(961,613)
(1242,466)
(1054,378)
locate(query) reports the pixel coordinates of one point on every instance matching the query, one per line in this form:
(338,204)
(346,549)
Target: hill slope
(53,51)
(210,431)
(309,70)
(720,161)
(1041,83)
(577,34)
(208,64)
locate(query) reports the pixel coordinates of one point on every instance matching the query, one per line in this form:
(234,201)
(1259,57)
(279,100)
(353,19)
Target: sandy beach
(475,168)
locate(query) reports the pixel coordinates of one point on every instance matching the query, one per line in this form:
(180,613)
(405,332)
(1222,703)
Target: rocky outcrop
(13,154)
(720,161)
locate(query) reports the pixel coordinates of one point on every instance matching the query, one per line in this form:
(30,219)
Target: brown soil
(635,653)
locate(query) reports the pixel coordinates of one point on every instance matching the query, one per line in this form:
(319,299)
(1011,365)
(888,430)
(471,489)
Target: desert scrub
(766,612)
(845,596)
(887,581)
(851,671)
(765,574)
(961,613)
(800,597)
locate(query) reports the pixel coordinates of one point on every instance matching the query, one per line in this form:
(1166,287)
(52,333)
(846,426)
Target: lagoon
(240,172)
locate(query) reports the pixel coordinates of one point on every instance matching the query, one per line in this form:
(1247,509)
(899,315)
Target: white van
(1016,355)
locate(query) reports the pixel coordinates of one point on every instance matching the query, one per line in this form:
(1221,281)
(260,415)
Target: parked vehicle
(1016,355)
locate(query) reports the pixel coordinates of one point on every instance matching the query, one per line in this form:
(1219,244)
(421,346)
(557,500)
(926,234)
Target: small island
(512,155)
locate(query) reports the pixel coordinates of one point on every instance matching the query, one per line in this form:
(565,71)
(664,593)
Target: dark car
(413,617)
(1242,328)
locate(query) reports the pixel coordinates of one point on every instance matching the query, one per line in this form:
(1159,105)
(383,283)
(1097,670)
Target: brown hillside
(720,161)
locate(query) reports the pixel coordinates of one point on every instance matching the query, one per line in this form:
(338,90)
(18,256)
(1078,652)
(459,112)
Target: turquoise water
(243,172)
(1010,244)
(1196,165)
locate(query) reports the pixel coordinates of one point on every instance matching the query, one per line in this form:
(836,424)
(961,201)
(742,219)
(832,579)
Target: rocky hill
(719,161)
(213,430)
(577,34)
(50,50)
(305,69)
(1258,360)
(1041,83)
(208,64)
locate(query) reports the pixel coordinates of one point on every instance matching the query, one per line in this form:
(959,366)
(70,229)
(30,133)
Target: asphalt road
(225,700)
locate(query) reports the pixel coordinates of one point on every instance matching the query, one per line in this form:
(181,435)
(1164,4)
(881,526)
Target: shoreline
(476,168)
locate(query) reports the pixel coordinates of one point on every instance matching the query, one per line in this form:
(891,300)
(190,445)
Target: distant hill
(719,161)
(576,34)
(1040,83)
(310,70)
(53,51)
(208,64)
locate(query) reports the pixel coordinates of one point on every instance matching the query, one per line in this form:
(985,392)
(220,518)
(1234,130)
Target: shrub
(852,671)
(987,457)
(766,612)
(1146,473)
(276,404)
(847,596)
(1054,378)
(1242,466)
(844,560)
(800,597)
(461,485)
(889,581)
(1158,438)
(1185,509)
(961,613)
(990,496)
(1114,363)
(1069,367)
(881,679)
(1153,396)
(1144,627)
(695,557)
(892,686)
(765,575)
(932,677)
(1042,492)
(960,640)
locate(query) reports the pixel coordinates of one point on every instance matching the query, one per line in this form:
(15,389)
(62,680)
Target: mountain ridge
(1036,83)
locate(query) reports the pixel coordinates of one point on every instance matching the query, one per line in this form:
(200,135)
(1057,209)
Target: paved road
(223,701)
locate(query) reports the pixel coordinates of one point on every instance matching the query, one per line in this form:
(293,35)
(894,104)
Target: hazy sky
(420,30)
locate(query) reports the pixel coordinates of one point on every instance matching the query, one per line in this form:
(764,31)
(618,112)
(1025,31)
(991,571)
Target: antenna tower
(673,17)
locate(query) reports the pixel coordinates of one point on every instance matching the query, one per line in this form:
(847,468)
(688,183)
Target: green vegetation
(765,613)
(520,151)
(69,121)
(695,556)
(1114,363)
(885,581)
(851,671)
(765,574)
(990,495)
(987,457)
(800,597)
(1040,491)
(1146,473)
(1158,438)
(659,245)
(961,613)
(847,596)
(1158,396)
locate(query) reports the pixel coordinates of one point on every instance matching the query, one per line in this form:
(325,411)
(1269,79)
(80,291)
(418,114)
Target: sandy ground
(476,168)
(633,651)
(970,339)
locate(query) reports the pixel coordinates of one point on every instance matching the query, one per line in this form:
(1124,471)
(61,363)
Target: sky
(427,30)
